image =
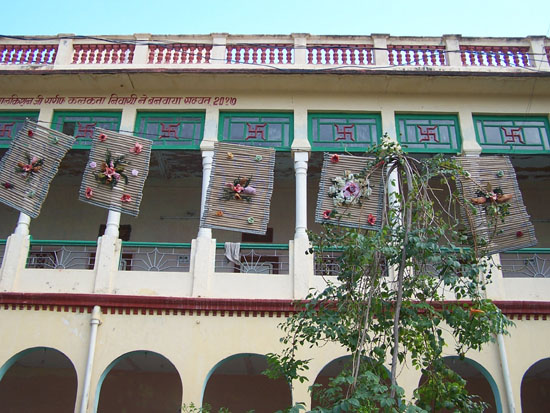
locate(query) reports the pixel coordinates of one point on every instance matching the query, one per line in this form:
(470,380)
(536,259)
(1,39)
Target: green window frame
(428,133)
(10,123)
(265,129)
(81,124)
(171,130)
(513,134)
(344,132)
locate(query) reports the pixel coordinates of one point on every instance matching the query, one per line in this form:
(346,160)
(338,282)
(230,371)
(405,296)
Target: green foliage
(391,303)
(191,408)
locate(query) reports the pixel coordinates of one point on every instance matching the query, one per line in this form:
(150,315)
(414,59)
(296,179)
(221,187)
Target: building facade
(105,313)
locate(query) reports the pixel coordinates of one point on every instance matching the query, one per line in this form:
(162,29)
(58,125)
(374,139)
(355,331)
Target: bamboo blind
(26,193)
(351,215)
(238,161)
(119,145)
(516,231)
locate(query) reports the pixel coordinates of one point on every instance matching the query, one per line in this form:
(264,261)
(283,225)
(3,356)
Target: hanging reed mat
(242,165)
(497,174)
(366,211)
(107,188)
(28,167)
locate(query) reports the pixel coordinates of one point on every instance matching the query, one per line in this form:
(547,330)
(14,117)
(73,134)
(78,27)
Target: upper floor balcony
(298,52)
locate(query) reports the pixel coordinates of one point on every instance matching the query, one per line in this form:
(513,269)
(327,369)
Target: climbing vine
(407,294)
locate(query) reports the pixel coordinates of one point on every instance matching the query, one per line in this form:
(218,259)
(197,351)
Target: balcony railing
(54,254)
(253,258)
(495,56)
(260,54)
(28,54)
(526,263)
(327,263)
(2,250)
(146,256)
(340,55)
(301,51)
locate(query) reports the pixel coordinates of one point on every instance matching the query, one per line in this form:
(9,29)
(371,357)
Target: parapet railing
(252,258)
(526,263)
(299,51)
(155,256)
(56,254)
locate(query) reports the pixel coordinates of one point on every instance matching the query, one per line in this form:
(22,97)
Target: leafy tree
(390,305)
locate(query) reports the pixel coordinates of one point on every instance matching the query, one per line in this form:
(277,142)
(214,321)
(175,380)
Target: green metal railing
(62,254)
(526,263)
(254,259)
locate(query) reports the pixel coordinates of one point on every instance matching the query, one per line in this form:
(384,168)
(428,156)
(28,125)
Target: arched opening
(139,382)
(534,387)
(478,381)
(237,383)
(333,369)
(38,379)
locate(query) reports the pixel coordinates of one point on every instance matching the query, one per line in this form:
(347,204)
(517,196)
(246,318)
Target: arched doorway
(334,368)
(478,381)
(139,382)
(535,396)
(38,379)
(237,383)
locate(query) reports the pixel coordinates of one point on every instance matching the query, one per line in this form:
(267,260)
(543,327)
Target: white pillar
(207,157)
(470,146)
(538,52)
(219,41)
(300,168)
(23,224)
(141,51)
(452,48)
(300,48)
(64,55)
(113,223)
(380,44)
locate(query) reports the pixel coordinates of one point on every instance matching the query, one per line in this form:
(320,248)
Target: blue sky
(503,18)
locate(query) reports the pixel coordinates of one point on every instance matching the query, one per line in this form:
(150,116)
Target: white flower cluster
(389,143)
(349,189)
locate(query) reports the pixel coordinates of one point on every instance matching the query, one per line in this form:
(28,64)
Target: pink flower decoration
(138,147)
(110,172)
(89,193)
(93,165)
(126,198)
(238,188)
(135,172)
(351,190)
(371,219)
(326,213)
(102,137)
(335,158)
(249,190)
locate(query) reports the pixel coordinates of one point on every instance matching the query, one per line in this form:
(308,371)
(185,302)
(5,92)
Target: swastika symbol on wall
(85,130)
(344,132)
(427,133)
(255,131)
(512,134)
(6,129)
(169,130)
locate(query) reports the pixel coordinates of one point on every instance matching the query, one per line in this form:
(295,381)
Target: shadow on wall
(535,396)
(237,383)
(140,382)
(39,379)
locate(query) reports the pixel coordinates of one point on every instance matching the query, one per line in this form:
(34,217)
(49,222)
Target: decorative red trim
(130,304)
